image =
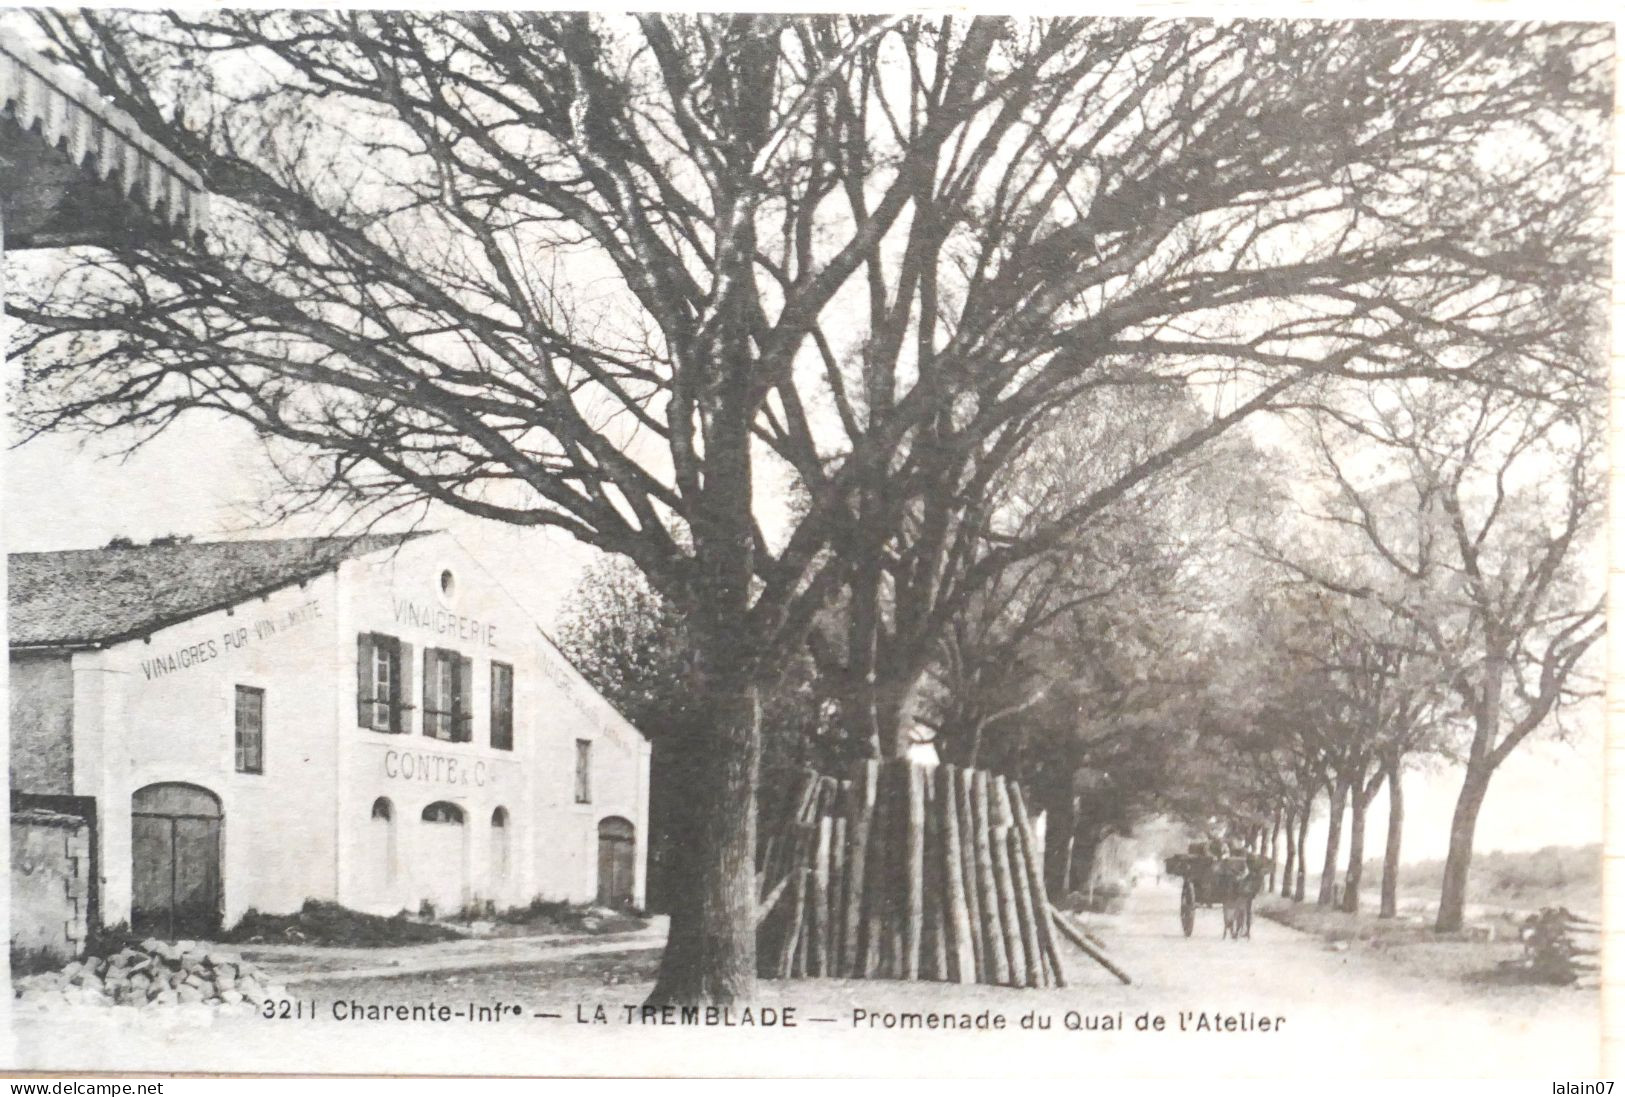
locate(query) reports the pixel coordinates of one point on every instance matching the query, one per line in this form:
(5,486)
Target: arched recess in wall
(383,854)
(501,853)
(440,857)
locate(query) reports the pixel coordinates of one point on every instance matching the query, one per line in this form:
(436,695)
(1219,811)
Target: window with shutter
(447,698)
(384,680)
(363,680)
(501,706)
(378,682)
(464,685)
(404,707)
(433,713)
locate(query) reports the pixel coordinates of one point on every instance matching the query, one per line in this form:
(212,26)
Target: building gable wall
(165,710)
(551,839)
(40,696)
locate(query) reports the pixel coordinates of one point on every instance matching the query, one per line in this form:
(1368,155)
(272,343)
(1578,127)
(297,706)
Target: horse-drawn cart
(1212,879)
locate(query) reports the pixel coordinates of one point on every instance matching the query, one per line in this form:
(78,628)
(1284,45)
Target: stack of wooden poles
(906,872)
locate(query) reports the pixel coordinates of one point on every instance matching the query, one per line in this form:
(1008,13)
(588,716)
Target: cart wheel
(1187,909)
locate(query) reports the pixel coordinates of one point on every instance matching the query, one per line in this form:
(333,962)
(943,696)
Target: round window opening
(448,584)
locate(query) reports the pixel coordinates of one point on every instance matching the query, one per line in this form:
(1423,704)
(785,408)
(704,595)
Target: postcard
(941,543)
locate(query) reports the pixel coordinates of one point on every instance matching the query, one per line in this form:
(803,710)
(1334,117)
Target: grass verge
(1478,955)
(323,923)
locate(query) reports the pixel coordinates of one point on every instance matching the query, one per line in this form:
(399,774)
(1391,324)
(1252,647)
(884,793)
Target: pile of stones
(156,973)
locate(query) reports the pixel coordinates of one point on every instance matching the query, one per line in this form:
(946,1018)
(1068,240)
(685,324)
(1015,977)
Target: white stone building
(370,720)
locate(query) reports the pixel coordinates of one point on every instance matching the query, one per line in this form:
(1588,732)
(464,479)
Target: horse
(1238,903)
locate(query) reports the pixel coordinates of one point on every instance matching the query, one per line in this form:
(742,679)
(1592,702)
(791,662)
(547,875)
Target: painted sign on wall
(233,639)
(443,622)
(440,769)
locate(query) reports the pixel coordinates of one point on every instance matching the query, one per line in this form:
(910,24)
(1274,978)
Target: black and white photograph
(954,543)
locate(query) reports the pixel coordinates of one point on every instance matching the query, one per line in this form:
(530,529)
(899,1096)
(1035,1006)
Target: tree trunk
(710,954)
(1274,848)
(1303,851)
(1453,895)
(1358,802)
(1390,854)
(1084,851)
(1291,865)
(1066,864)
(880,696)
(897,701)
(1480,767)
(1334,840)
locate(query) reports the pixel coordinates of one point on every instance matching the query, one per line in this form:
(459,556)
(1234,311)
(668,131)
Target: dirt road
(1376,1013)
(1282,1003)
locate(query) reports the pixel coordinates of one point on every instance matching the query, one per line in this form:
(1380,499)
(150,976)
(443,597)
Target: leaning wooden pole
(1025,913)
(790,947)
(792,902)
(961,951)
(995,961)
(877,870)
(1014,876)
(864,780)
(967,863)
(998,910)
(837,892)
(914,871)
(937,915)
(1072,934)
(819,958)
(1035,871)
(895,950)
(909,872)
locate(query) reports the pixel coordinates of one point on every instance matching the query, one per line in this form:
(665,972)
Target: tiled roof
(88,597)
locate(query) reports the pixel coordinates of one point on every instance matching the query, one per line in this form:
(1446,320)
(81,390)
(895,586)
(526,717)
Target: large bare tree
(613,275)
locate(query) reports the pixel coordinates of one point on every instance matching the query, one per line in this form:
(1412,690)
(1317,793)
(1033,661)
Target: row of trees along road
(1472,516)
(612,276)
(1437,607)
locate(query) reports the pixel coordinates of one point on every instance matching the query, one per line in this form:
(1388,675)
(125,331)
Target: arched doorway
(617,860)
(442,855)
(175,883)
(500,855)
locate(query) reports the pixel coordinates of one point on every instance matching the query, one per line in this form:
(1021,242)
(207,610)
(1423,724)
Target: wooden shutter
(404,696)
(465,700)
(431,690)
(501,735)
(363,679)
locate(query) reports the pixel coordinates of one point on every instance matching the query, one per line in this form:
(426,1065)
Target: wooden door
(175,861)
(152,862)
(197,875)
(617,861)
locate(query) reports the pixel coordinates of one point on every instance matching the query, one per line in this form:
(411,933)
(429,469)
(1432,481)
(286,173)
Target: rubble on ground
(155,973)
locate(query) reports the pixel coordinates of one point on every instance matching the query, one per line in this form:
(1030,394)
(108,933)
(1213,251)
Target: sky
(203,479)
